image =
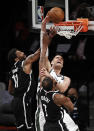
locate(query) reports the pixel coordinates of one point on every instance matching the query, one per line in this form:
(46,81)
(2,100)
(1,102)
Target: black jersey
(24,90)
(22,82)
(52,112)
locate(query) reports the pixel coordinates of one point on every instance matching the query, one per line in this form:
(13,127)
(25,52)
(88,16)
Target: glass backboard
(40,8)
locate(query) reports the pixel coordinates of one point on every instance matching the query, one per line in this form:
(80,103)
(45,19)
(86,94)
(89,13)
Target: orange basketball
(56,14)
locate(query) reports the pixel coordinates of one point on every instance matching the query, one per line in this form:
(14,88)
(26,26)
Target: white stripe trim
(24,104)
(22,64)
(49,91)
(15,62)
(20,126)
(62,114)
(60,125)
(53,96)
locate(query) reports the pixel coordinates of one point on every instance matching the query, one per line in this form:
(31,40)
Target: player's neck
(57,71)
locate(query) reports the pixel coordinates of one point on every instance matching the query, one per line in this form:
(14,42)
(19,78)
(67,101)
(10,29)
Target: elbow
(11,92)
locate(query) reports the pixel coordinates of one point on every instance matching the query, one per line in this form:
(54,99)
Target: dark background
(15,32)
(15,19)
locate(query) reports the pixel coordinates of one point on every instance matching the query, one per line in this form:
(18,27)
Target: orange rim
(80,22)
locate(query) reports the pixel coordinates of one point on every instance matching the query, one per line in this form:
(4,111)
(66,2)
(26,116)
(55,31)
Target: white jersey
(39,115)
(58,78)
(40,119)
(69,123)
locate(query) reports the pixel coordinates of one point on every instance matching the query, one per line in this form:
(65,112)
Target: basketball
(56,15)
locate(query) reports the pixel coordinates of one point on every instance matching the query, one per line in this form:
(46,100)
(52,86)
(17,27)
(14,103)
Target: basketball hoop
(71,28)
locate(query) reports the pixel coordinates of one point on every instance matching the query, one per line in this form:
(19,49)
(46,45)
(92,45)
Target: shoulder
(67,78)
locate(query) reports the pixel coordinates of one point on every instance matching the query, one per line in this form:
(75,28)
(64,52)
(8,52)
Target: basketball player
(52,102)
(63,83)
(50,99)
(22,87)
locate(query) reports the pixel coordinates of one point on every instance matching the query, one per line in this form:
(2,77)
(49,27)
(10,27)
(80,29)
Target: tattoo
(33,57)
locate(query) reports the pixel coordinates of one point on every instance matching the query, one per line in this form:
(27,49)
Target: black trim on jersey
(49,91)
(64,126)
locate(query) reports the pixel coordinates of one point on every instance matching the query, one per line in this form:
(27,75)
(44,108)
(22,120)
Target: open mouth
(59,62)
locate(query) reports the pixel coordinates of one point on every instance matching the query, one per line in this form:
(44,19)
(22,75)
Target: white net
(68,31)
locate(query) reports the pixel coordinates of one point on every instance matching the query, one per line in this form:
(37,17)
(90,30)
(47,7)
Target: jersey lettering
(15,78)
(45,108)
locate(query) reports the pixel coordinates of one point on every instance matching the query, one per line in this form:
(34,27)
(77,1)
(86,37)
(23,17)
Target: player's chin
(59,65)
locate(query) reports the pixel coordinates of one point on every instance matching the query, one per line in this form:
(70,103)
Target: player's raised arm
(32,58)
(45,40)
(27,64)
(44,44)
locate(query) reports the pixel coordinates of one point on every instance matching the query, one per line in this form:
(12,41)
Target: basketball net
(71,28)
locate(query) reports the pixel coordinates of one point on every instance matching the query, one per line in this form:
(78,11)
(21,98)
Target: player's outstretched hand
(52,32)
(44,73)
(44,22)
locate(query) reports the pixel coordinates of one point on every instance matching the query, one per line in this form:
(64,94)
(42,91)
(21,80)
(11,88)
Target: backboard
(38,12)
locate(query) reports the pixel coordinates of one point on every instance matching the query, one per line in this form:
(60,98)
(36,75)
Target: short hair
(47,84)
(60,54)
(12,55)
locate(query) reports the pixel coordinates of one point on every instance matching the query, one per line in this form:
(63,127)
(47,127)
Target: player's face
(57,61)
(20,55)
